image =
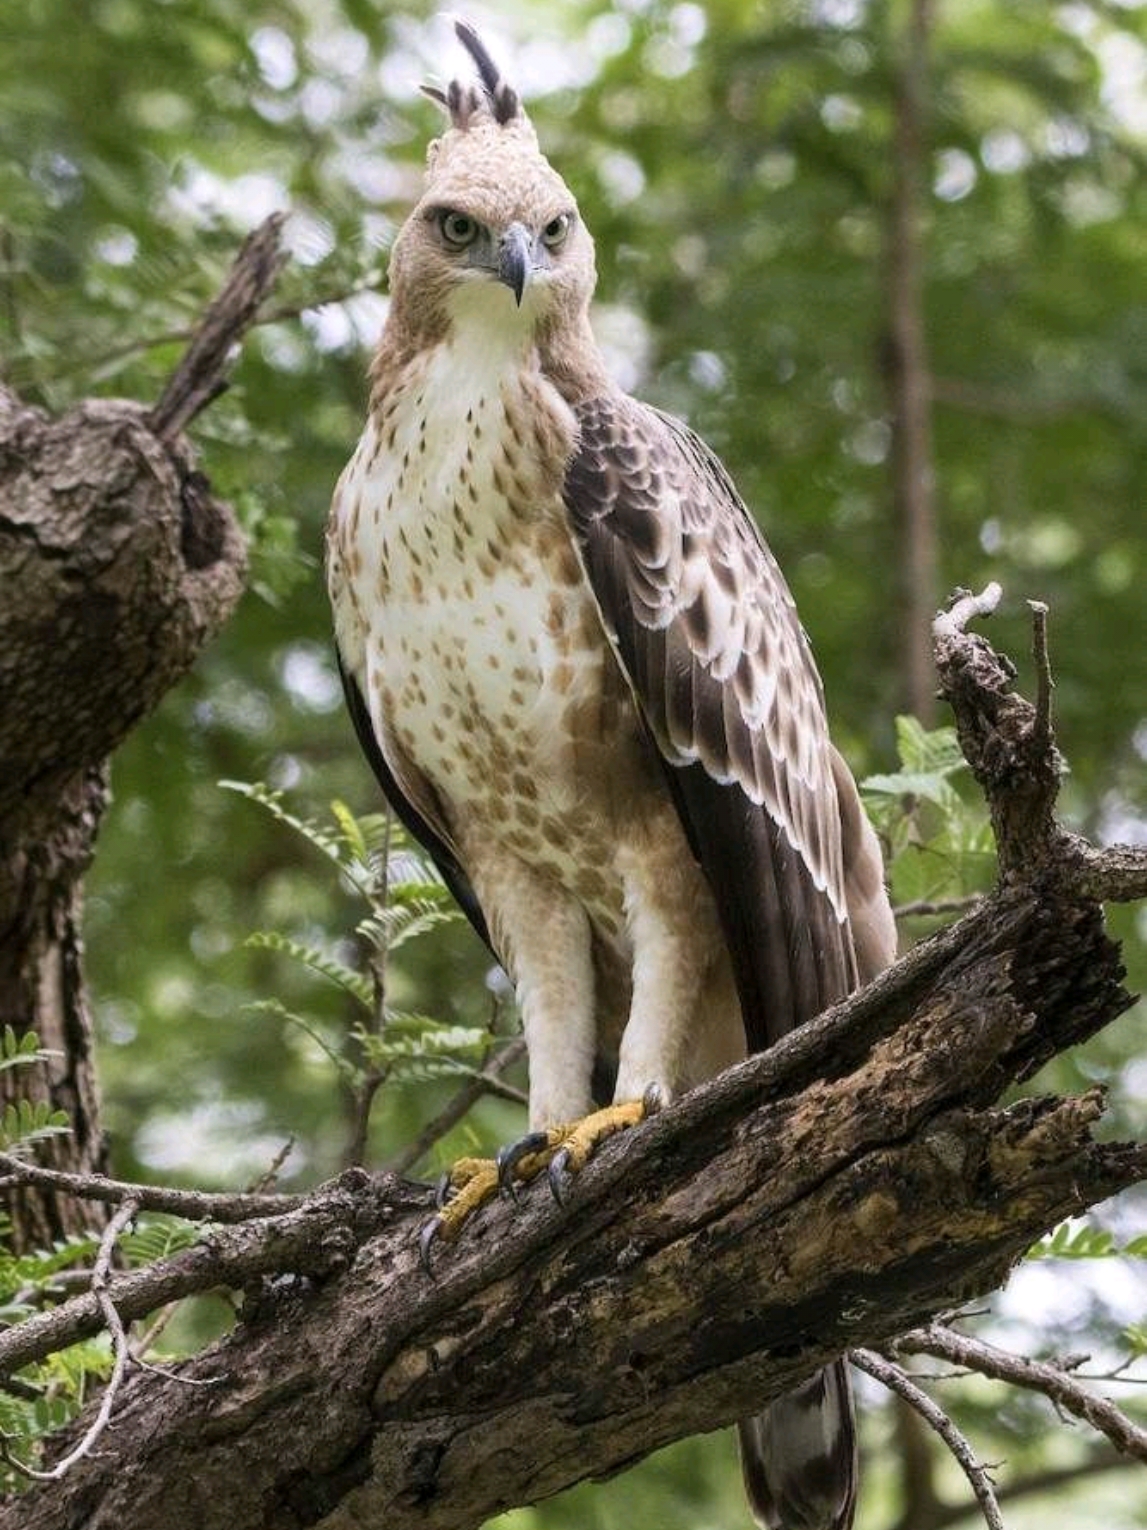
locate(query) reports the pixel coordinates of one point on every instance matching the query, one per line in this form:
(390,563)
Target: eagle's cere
(579,676)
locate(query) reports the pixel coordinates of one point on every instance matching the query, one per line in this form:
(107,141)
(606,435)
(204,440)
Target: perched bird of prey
(580,678)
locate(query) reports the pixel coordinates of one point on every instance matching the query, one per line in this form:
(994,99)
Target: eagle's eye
(554,233)
(457,229)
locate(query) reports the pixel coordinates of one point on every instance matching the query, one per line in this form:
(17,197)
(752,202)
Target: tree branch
(195,1205)
(830,1192)
(901,1383)
(199,377)
(1060,1386)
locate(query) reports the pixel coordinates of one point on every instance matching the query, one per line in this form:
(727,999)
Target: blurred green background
(735,163)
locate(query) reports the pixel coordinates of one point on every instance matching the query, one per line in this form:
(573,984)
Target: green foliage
(156,1235)
(404,899)
(23,1277)
(1087,1242)
(21,1051)
(938,844)
(422,1047)
(26,1122)
(51,1392)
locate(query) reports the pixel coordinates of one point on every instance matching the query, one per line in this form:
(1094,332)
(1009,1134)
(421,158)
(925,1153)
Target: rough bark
(117,566)
(851,1183)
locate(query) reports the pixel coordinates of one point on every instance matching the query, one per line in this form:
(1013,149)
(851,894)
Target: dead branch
(195,1205)
(199,377)
(898,1381)
(823,1195)
(1059,1385)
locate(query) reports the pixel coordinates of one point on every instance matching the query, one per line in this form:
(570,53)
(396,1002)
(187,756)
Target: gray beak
(515,257)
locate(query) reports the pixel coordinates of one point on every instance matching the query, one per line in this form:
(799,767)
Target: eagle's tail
(799,1456)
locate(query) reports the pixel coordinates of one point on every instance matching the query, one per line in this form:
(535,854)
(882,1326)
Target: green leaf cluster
(1087,1242)
(25,1122)
(938,842)
(405,899)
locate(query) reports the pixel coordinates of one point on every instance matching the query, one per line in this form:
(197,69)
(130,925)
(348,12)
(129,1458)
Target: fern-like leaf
(355,983)
(26,1122)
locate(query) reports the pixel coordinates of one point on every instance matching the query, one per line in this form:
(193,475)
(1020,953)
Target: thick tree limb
(844,1187)
(831,1192)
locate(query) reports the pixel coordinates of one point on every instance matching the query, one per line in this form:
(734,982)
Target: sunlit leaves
(1083,1241)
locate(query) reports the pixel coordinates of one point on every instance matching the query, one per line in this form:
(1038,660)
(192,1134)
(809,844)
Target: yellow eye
(554,233)
(457,229)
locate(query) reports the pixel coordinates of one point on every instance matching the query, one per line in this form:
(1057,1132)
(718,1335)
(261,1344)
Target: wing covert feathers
(706,629)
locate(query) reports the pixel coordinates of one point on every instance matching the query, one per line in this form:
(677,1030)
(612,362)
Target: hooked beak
(515,258)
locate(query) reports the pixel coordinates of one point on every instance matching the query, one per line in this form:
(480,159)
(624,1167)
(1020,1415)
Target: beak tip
(514,261)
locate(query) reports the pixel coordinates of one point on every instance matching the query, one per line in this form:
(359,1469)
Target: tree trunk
(906,369)
(117,566)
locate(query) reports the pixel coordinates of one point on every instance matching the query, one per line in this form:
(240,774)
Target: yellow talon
(560,1150)
(582,1138)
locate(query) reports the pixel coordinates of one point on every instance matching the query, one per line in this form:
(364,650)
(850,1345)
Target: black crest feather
(504,102)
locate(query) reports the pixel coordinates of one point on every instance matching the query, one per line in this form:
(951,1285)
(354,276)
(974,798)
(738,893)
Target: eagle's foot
(470,1182)
(466,1185)
(562,1151)
(577,1141)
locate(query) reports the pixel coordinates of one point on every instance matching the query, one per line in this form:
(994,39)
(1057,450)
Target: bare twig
(967,606)
(195,1205)
(1044,682)
(922,906)
(896,1380)
(489,1081)
(262,1184)
(199,376)
(1059,1386)
(101,1278)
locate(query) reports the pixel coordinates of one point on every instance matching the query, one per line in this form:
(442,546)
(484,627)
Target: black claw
(556,1175)
(654,1099)
(512,1154)
(427,1237)
(442,1189)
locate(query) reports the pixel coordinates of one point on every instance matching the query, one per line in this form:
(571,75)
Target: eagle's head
(496,230)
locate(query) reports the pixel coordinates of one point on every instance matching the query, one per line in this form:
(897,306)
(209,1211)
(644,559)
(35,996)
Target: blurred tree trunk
(906,370)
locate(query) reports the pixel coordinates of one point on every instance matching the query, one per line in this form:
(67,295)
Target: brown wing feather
(409,814)
(705,627)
